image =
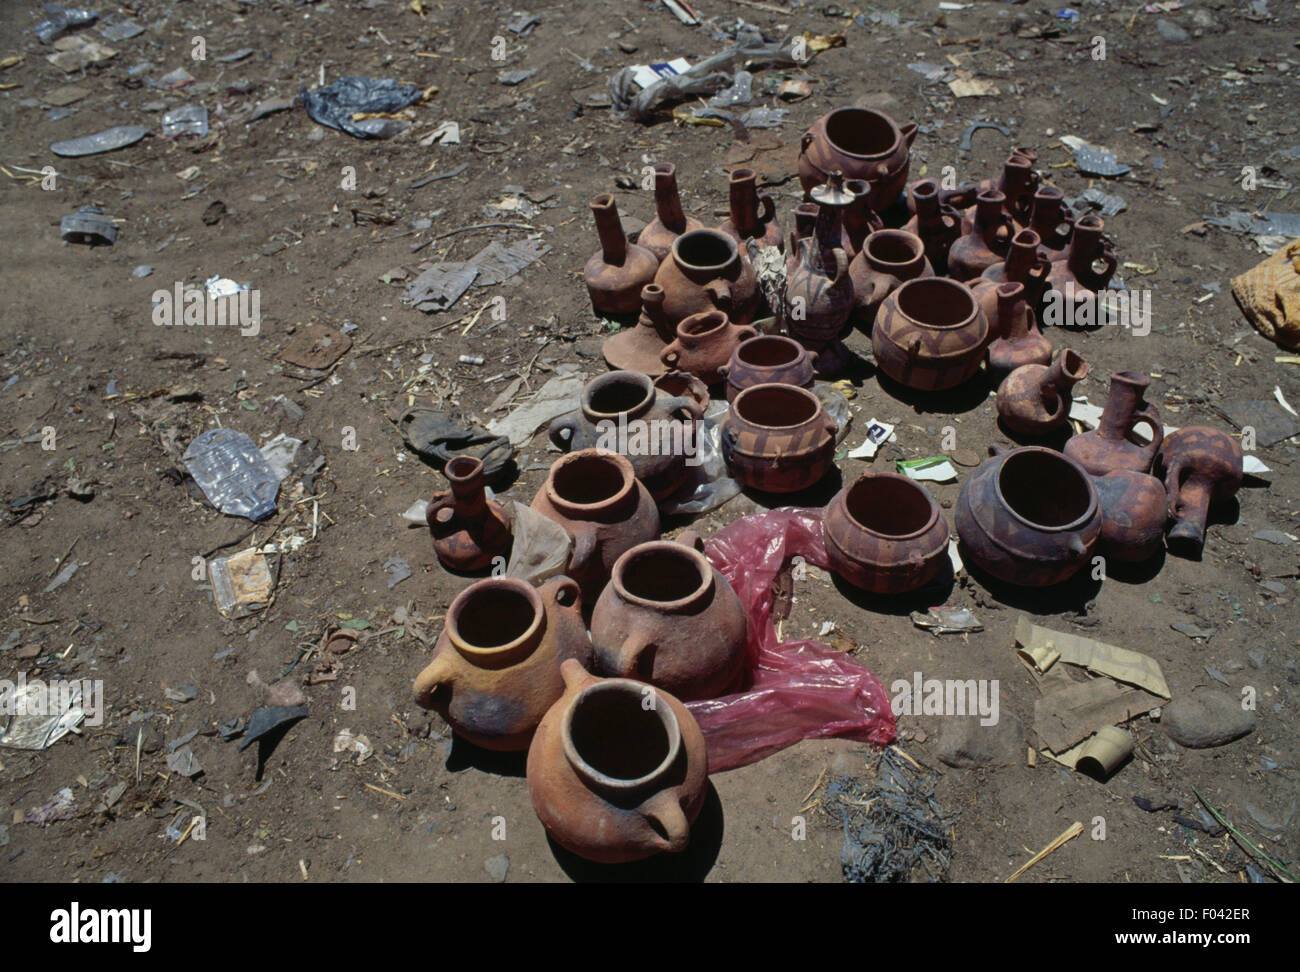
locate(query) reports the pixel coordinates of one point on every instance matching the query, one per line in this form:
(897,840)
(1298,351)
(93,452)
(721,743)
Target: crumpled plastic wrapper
(1269,296)
(793,690)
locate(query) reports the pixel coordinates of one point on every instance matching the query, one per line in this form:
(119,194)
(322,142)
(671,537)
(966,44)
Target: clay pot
(705,272)
(1017,183)
(1110,445)
(614,779)
(1087,267)
(704,345)
(768,359)
(1029,516)
(1019,340)
(638,348)
(1034,400)
(1133,514)
(859,220)
(667,617)
(1198,464)
(496,666)
(617,273)
(469,530)
(819,291)
(863,144)
(805,225)
(1024,265)
(624,412)
(930,334)
(670,222)
(753,214)
(888,258)
(597,498)
(1051,220)
(885,534)
(778,438)
(937,224)
(986,243)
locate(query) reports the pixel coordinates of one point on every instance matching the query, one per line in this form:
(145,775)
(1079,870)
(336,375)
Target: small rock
(1273,536)
(964,743)
(497,867)
(1206,718)
(1171,32)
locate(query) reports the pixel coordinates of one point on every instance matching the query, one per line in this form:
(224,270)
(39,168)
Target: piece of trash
(397,570)
(966,85)
(538,551)
(931,72)
(79,52)
(88,225)
(234,56)
(471,359)
(59,20)
(1042,647)
(682,12)
(1240,221)
(143,270)
(109,140)
(1104,203)
(65,575)
(64,96)
(497,262)
(316,347)
(440,437)
(176,79)
(448,133)
(1273,536)
(793,89)
(270,106)
(241,583)
(1269,295)
(39,717)
(335,105)
(184,762)
(1191,630)
(230,470)
(440,286)
(512,78)
(119,30)
(281,453)
(185,120)
(947,620)
(181,693)
(268,719)
(61,806)
(878,433)
(1271,422)
(934,469)
(348,742)
(764,117)
(1094,159)
(973,127)
(1071,832)
(232,729)
(552,400)
(416,514)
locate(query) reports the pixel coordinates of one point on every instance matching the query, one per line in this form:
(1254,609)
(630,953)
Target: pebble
(1207,718)
(1171,32)
(497,867)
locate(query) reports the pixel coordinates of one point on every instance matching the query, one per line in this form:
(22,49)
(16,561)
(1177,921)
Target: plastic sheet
(796,690)
(334,105)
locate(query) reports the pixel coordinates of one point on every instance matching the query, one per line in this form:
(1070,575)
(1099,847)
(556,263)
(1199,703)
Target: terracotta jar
(863,144)
(667,617)
(930,334)
(705,343)
(1029,516)
(1087,267)
(617,273)
(778,438)
(768,359)
(624,412)
(819,290)
(1017,183)
(1111,445)
(1024,264)
(753,214)
(496,666)
(986,243)
(469,530)
(888,258)
(638,348)
(1019,340)
(937,224)
(885,534)
(805,225)
(613,779)
(1199,465)
(1051,219)
(597,498)
(1034,400)
(704,272)
(859,220)
(670,222)
(1133,514)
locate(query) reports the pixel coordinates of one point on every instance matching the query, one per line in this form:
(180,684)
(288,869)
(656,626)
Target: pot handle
(1149,416)
(684,403)
(769,208)
(440,501)
(584,547)
(565,423)
(719,292)
(841,265)
(908,132)
(564,591)
(689,538)
(913,346)
(438,673)
(746,331)
(997,449)
(806,139)
(670,355)
(575,676)
(665,810)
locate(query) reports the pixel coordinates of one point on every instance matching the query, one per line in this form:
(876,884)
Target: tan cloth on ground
(1269,295)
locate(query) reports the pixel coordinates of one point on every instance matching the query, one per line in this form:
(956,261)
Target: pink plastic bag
(796,690)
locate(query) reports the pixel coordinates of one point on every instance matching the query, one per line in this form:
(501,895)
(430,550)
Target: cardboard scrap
(1065,718)
(1042,647)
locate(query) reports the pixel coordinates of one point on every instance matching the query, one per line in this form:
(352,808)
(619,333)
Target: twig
(441,175)
(1281,872)
(479,226)
(64,557)
(762,6)
(1075,829)
(380,789)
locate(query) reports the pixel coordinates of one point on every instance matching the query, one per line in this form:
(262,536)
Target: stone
(1171,32)
(497,867)
(965,744)
(1206,718)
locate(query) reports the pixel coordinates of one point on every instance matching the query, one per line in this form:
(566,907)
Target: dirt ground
(87,361)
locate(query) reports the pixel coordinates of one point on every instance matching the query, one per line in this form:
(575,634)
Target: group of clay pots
(1033,516)
(616,764)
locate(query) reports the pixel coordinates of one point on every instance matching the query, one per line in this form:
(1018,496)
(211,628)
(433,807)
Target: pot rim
(616,377)
(1083,519)
(580,510)
(942,282)
(717,268)
(889,122)
(914,241)
(496,652)
(783,389)
(717,320)
(929,523)
(778,339)
(624,686)
(662,546)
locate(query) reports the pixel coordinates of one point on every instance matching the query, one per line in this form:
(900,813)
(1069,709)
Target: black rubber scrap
(268,719)
(440,437)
